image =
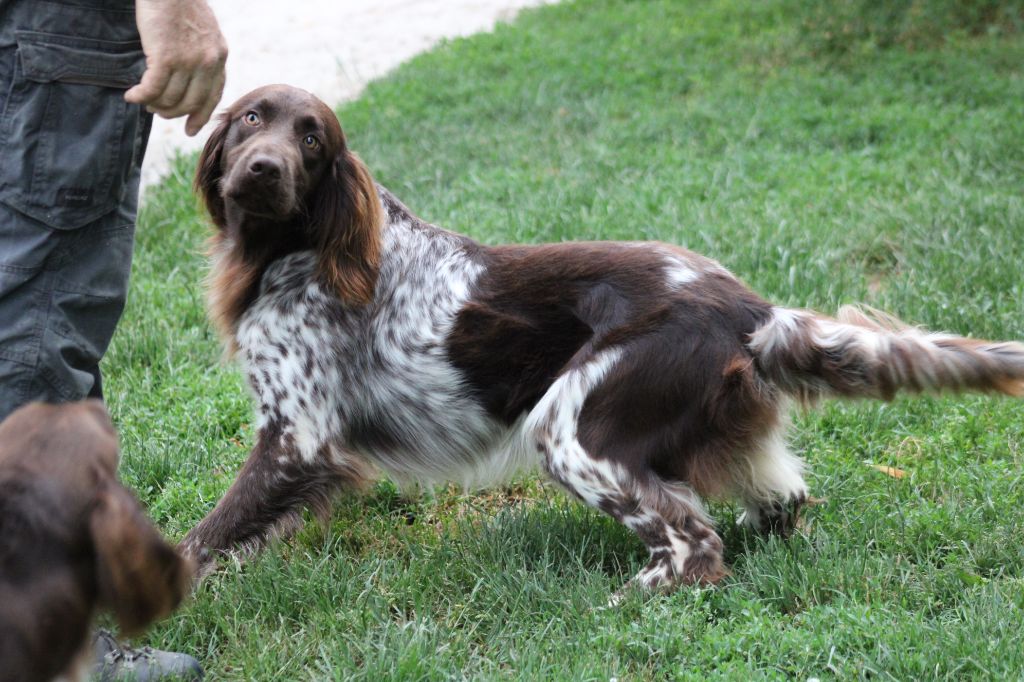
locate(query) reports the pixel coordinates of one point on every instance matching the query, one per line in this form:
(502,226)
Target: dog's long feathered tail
(859,355)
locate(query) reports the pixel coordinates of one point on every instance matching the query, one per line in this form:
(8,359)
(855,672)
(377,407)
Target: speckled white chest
(376,382)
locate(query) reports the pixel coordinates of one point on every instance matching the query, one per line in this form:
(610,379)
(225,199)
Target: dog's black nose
(265,167)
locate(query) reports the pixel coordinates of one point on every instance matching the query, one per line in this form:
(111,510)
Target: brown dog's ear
(140,576)
(345,219)
(209,172)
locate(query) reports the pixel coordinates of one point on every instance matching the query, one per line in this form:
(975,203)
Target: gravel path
(329,47)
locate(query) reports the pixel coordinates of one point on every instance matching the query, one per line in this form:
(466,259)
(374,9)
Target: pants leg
(72,153)
(59,306)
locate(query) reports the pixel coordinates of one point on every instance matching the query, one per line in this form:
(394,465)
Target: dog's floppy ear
(345,219)
(140,576)
(209,172)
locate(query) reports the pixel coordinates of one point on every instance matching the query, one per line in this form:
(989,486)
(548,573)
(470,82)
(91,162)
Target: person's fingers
(197,92)
(185,57)
(153,82)
(176,87)
(199,116)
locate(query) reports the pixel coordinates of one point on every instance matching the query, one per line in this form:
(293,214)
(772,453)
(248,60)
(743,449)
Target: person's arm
(185,55)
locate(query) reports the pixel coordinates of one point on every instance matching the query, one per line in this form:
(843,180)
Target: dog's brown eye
(311,142)
(252,118)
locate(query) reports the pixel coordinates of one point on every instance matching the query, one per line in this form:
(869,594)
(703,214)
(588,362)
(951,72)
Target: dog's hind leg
(772,487)
(684,547)
(267,498)
(668,517)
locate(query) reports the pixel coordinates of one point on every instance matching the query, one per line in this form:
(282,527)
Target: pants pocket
(68,136)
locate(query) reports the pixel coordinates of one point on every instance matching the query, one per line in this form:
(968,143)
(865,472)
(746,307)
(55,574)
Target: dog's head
(73,540)
(277,168)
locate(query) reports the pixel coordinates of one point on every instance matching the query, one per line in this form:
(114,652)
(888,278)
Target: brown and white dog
(640,376)
(73,541)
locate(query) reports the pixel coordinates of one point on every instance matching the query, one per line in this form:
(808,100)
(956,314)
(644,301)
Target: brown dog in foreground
(73,541)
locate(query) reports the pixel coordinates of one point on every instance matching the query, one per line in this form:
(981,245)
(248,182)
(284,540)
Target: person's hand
(185,55)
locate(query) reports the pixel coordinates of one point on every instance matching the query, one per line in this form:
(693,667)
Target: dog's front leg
(267,498)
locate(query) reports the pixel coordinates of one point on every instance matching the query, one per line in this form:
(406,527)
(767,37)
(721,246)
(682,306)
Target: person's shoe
(115,663)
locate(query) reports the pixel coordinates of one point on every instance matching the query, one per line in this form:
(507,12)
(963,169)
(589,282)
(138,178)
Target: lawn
(885,172)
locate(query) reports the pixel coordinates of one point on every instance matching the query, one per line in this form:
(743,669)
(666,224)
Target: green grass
(886,176)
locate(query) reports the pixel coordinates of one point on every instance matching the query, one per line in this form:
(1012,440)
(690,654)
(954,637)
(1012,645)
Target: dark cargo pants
(70,154)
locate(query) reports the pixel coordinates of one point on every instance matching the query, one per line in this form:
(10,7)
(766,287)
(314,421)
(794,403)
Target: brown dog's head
(73,540)
(278,175)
